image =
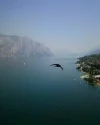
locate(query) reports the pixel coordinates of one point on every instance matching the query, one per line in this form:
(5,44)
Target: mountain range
(13,45)
(95,51)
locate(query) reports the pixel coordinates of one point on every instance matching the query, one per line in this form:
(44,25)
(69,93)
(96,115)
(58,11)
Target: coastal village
(90,66)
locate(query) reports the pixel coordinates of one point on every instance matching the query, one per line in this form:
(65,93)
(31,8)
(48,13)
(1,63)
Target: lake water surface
(36,94)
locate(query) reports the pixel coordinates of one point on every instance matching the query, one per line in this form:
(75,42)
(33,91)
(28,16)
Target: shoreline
(86,75)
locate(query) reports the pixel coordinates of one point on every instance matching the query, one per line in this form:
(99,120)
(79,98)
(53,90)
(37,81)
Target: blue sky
(63,25)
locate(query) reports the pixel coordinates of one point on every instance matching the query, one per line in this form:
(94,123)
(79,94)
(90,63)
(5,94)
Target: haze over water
(62,25)
(37,94)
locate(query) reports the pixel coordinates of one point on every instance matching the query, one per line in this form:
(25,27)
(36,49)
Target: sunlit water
(36,94)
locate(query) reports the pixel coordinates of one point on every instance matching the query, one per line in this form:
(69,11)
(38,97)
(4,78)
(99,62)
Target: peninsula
(90,66)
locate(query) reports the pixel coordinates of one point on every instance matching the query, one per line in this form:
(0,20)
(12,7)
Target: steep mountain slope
(11,45)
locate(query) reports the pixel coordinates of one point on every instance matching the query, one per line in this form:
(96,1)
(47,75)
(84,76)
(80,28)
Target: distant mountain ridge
(13,45)
(95,51)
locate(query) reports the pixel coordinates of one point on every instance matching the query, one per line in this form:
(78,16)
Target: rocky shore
(90,66)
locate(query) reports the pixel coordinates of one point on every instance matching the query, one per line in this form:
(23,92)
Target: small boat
(24,63)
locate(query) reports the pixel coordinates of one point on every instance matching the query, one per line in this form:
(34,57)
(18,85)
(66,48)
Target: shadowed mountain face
(11,45)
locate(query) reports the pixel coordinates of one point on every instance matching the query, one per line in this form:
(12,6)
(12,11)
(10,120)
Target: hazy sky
(63,25)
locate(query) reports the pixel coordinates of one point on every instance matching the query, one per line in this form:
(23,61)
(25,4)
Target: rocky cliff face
(11,45)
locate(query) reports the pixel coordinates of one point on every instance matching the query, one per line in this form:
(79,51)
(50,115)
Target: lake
(36,94)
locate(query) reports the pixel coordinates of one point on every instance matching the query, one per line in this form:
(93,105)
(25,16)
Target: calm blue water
(36,94)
